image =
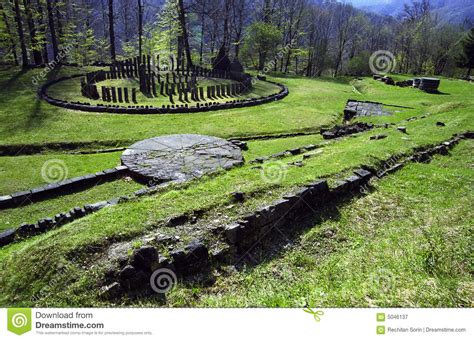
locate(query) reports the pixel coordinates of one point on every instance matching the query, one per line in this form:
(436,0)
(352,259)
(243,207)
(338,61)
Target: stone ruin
(355,108)
(179,157)
(180,83)
(429,85)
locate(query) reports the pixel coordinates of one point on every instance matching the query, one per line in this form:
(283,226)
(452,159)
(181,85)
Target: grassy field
(318,270)
(310,105)
(407,244)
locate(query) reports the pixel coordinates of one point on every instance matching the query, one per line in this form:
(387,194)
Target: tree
(21,36)
(263,38)
(9,34)
(42,29)
(182,21)
(140,26)
(343,23)
(52,29)
(35,48)
(113,55)
(466,59)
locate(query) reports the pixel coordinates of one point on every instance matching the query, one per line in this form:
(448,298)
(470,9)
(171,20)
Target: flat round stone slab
(180,157)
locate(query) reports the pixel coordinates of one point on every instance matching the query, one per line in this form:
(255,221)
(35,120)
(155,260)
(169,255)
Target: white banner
(237,323)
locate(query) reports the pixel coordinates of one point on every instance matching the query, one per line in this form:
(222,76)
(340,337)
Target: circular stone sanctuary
(147,85)
(180,157)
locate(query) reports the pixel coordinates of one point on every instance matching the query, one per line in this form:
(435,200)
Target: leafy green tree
(263,39)
(466,59)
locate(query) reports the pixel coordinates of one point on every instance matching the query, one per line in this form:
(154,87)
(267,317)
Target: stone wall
(68,186)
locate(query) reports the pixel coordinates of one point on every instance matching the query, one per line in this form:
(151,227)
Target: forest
(305,37)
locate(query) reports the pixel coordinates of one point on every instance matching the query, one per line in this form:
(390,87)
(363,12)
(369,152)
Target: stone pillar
(153,85)
(119,93)
(162,88)
(114,94)
(125,94)
(134,95)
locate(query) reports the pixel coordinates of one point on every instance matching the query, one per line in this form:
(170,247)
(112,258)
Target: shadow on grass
(5,85)
(276,242)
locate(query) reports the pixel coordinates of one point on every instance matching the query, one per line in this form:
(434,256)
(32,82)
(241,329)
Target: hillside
(453,11)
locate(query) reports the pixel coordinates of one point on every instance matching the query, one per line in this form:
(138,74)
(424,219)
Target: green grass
(407,244)
(131,219)
(23,118)
(26,172)
(12,218)
(37,264)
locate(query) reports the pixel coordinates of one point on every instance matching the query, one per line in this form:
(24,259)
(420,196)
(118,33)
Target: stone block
(89,208)
(363,174)
(195,259)
(26,229)
(232,233)
(7,237)
(144,258)
(6,201)
(354,182)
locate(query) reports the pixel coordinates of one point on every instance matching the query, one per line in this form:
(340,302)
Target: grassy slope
(312,103)
(133,218)
(12,218)
(25,172)
(406,244)
(23,118)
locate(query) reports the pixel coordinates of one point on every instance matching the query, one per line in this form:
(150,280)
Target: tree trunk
(43,31)
(9,32)
(31,26)
(203,23)
(111,31)
(182,21)
(24,55)
(262,56)
(58,20)
(52,29)
(140,27)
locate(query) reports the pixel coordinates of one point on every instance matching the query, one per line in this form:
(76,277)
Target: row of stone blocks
(429,85)
(135,272)
(243,234)
(48,223)
(68,186)
(42,93)
(45,224)
(345,130)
